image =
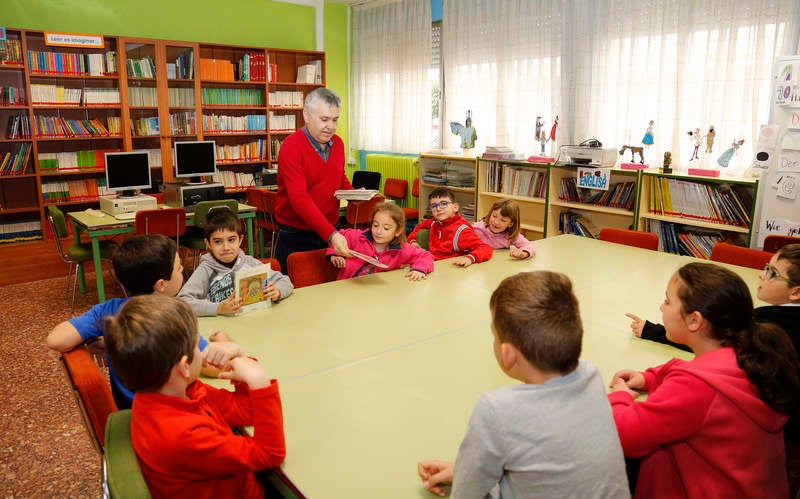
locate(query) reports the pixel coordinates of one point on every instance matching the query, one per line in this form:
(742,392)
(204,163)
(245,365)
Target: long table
(106,225)
(377,373)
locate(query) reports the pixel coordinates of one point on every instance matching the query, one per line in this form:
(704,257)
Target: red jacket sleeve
(425,224)
(470,242)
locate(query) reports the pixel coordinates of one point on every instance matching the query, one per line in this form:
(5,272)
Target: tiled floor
(45,450)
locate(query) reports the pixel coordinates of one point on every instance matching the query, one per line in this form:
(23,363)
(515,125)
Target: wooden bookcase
(147,94)
(690,214)
(457,173)
(524,182)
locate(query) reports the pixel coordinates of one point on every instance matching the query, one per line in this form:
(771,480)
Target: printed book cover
(249,285)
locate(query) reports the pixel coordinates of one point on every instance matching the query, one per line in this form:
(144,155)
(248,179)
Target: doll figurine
(710,139)
(648,135)
(726,157)
(466,131)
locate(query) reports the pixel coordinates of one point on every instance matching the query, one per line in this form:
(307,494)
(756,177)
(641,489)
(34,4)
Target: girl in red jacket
(385,244)
(712,426)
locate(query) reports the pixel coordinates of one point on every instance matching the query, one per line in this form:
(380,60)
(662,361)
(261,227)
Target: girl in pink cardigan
(384,243)
(500,229)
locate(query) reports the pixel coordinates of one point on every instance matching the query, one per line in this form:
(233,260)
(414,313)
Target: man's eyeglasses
(770,273)
(440,205)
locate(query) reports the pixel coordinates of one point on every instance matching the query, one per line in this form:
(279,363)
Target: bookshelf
(457,173)
(573,210)
(62,108)
(690,214)
(524,182)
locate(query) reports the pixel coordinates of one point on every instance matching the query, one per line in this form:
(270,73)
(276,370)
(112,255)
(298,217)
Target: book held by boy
(249,284)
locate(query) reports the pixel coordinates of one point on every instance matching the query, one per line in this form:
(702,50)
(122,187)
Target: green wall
(261,23)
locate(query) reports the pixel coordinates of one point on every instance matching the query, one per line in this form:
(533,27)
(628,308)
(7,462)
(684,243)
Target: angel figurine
(648,135)
(726,157)
(466,131)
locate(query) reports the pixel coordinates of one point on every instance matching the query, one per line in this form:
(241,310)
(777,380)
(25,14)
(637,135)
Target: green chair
(422,237)
(74,254)
(122,477)
(194,238)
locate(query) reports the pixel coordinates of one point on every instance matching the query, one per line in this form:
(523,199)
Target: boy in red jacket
(450,234)
(181,427)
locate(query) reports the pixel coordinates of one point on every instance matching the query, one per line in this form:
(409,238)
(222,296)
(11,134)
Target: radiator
(394,166)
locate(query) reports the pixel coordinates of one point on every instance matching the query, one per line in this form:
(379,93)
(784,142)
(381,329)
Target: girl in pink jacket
(500,229)
(385,244)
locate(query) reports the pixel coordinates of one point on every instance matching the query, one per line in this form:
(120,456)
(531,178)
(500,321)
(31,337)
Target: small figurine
(697,139)
(666,167)
(466,131)
(648,135)
(553,134)
(539,126)
(710,139)
(726,157)
(542,140)
(634,150)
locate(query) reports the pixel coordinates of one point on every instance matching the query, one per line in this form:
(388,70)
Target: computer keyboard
(125,216)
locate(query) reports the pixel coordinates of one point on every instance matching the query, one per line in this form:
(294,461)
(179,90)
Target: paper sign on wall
(73,40)
(790,162)
(787,186)
(777,226)
(594,178)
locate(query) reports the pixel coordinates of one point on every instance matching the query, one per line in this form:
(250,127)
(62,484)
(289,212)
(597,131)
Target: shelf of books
(690,214)
(584,211)
(456,173)
(521,181)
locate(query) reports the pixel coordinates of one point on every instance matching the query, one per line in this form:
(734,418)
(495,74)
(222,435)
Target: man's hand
(339,245)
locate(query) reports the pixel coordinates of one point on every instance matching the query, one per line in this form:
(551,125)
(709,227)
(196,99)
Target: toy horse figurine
(466,131)
(634,150)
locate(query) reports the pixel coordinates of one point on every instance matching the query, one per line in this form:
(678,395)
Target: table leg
(81,277)
(98,270)
(250,236)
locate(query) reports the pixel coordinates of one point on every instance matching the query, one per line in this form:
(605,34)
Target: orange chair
(273,263)
(360,212)
(739,255)
(92,392)
(170,222)
(775,242)
(264,201)
(397,189)
(306,268)
(413,213)
(646,240)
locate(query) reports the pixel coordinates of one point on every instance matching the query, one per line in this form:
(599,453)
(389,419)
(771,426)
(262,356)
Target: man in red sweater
(310,170)
(450,233)
(181,427)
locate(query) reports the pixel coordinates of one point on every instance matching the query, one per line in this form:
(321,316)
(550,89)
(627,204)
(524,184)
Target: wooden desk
(106,225)
(378,373)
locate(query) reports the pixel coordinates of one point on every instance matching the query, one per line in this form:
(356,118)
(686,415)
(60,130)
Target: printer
(584,155)
(126,207)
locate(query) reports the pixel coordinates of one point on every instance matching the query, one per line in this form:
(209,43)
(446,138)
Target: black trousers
(292,240)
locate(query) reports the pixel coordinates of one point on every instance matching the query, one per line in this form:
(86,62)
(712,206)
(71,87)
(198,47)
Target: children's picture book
(249,285)
(356,194)
(369,259)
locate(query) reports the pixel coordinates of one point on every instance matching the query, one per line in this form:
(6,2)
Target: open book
(356,194)
(369,259)
(249,285)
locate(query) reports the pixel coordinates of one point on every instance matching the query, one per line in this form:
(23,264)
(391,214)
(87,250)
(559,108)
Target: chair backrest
(170,222)
(775,242)
(423,235)
(264,201)
(367,180)
(739,255)
(57,220)
(306,268)
(123,476)
(646,240)
(202,208)
(360,212)
(273,263)
(395,188)
(415,188)
(91,390)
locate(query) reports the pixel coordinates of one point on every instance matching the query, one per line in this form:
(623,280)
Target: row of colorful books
(15,163)
(57,126)
(250,67)
(619,195)
(145,126)
(234,124)
(144,96)
(181,97)
(183,123)
(18,127)
(72,64)
(183,67)
(233,97)
(249,151)
(683,240)
(234,180)
(282,122)
(10,52)
(12,96)
(574,223)
(57,94)
(144,67)
(516,180)
(274,146)
(87,189)
(710,202)
(67,161)
(15,232)
(287,98)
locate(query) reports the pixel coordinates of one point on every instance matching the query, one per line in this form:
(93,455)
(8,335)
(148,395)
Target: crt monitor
(127,171)
(195,159)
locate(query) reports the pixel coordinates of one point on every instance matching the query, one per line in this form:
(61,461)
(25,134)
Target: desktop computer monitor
(195,159)
(127,171)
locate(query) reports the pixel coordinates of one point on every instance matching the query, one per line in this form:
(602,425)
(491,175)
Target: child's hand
(435,474)
(637,324)
(229,305)
(219,353)
(246,370)
(415,275)
(517,253)
(415,244)
(618,385)
(463,261)
(337,261)
(630,378)
(220,336)
(271,292)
